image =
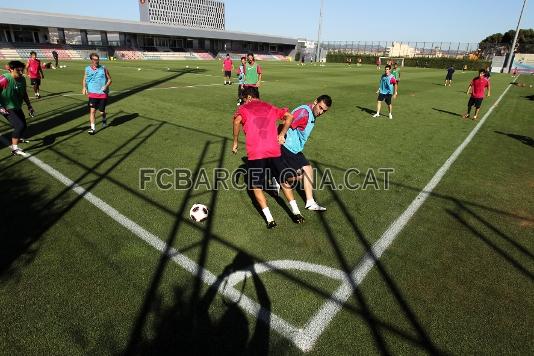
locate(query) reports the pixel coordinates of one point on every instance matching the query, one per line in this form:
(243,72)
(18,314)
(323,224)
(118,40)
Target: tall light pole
(511,56)
(318,48)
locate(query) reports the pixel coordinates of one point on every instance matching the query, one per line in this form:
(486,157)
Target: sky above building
(344,20)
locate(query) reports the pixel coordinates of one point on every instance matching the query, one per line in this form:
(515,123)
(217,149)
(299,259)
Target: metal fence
(402,49)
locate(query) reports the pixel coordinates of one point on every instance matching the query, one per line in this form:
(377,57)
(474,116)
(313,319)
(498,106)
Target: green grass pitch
(458,279)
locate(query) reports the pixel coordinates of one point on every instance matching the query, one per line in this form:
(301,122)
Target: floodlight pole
(510,59)
(318,48)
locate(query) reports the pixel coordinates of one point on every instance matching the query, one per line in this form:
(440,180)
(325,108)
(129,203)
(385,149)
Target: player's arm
(3,85)
(237,127)
(84,84)
(28,103)
(27,68)
(288,119)
(469,88)
(489,89)
(41,72)
(395,93)
(108,82)
(259,76)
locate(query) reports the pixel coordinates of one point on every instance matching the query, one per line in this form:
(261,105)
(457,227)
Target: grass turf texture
(459,278)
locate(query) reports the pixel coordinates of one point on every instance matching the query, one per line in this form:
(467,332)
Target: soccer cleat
(91,131)
(271,224)
(23,140)
(475,117)
(298,219)
(104,123)
(18,152)
(466,116)
(376,115)
(390,116)
(315,207)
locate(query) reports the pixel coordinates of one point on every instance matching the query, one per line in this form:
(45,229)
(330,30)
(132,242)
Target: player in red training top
(477,87)
(228,66)
(259,120)
(35,73)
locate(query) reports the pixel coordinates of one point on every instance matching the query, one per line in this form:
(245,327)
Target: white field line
(278,324)
(324,316)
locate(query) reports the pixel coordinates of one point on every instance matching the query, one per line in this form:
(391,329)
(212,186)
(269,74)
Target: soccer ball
(138,68)
(198,212)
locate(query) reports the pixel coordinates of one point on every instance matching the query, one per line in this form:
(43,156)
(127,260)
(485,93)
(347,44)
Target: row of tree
(499,43)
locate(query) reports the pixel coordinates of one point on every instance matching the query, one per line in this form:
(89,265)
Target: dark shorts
(385,97)
(17,120)
(448,77)
(475,101)
(294,161)
(98,104)
(35,81)
(227,73)
(261,171)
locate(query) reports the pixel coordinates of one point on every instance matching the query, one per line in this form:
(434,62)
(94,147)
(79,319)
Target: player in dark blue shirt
(448,77)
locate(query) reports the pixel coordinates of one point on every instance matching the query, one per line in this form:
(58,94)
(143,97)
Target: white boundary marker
(278,324)
(324,316)
(305,338)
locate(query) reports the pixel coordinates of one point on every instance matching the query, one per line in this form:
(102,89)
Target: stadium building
(188,13)
(74,37)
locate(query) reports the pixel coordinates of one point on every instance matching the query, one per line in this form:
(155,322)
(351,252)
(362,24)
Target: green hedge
(424,62)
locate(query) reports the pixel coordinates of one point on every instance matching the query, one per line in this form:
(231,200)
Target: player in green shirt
(12,95)
(396,73)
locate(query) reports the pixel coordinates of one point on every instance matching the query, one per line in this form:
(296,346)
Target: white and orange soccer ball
(199,212)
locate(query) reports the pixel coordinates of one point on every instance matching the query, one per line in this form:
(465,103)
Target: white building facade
(205,14)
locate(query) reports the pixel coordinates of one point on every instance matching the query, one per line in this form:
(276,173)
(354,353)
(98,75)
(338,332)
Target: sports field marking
(304,339)
(324,316)
(277,323)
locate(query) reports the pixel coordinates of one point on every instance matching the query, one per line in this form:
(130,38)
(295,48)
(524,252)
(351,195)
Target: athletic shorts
(475,101)
(227,73)
(35,81)
(448,77)
(294,161)
(386,97)
(98,104)
(261,171)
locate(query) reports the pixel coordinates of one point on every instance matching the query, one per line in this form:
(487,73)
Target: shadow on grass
(529,141)
(447,112)
(367,110)
(180,328)
(24,220)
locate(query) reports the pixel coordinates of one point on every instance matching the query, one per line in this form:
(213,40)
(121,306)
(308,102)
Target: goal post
(398,60)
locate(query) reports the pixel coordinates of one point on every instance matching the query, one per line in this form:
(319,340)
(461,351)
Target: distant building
(205,14)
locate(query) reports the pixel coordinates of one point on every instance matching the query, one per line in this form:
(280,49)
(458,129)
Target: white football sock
(267,214)
(294,207)
(92,126)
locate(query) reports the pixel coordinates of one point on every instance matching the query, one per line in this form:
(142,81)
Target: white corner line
(328,311)
(278,324)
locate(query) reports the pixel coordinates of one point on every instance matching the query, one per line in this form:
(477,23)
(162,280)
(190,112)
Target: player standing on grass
(56,59)
(95,84)
(12,94)
(396,73)
(241,80)
(304,118)
(259,120)
(35,73)
(253,74)
(227,69)
(448,77)
(477,88)
(386,90)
